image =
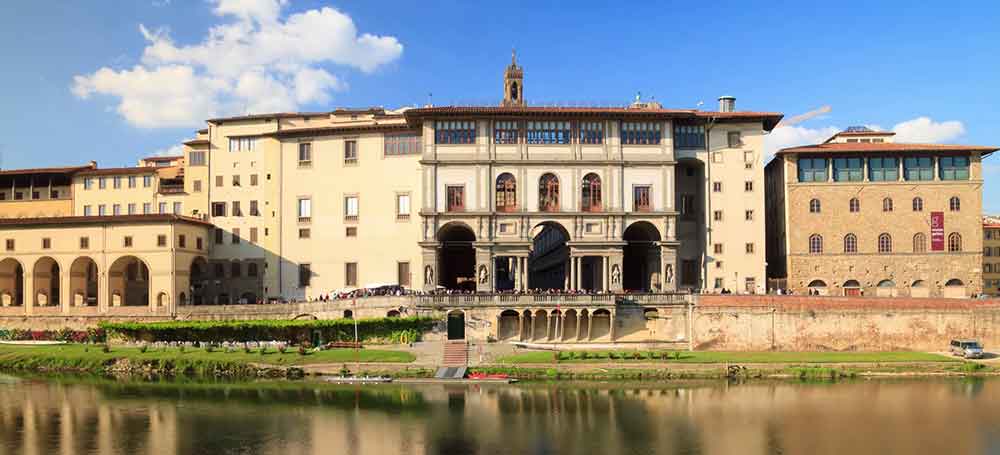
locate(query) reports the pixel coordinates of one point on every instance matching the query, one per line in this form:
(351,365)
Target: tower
(513,83)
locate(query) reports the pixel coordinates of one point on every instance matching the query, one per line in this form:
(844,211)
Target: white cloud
(791,136)
(926,130)
(173,150)
(256,61)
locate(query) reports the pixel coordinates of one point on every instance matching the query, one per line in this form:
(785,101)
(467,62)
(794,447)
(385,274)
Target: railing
(171,189)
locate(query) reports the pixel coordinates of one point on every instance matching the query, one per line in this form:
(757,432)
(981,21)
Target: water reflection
(866,417)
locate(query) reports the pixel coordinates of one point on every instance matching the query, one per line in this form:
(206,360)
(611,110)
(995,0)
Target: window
(18,195)
(505,132)
(147,181)
(402,206)
(883,169)
(987,251)
(218,181)
(86,210)
(854,205)
(716,187)
(918,168)
(749,248)
(641,198)
(733,139)
(403,273)
(350,151)
(689,136)
(254,209)
(884,243)
(351,231)
(918,204)
(305,233)
(102,210)
(954,204)
(236,180)
(848,170)
(591,132)
(351,207)
(748,158)
(456,198)
(718,283)
(591,193)
(718,157)
(236,210)
(220,270)
(814,206)
(46,243)
(197,158)
(36,195)
(305,208)
(455,132)
(54,194)
(253,179)
(506,193)
(689,206)
(718,264)
(750,285)
(131,209)
(717,248)
(84,243)
(253,235)
(351,274)
(305,275)
(548,132)
(147,208)
(242,144)
(748,186)
(178,208)
(235,270)
(218,236)
(887,204)
(850,244)
(641,133)
(812,169)
(199,243)
(116,182)
(102,183)
(815,244)
(689,272)
(252,269)
(131,181)
(161,240)
(954,167)
(88,183)
(163,208)
(305,153)
(127,241)
(116,209)
(954,242)
(748,215)
(403,144)
(235,240)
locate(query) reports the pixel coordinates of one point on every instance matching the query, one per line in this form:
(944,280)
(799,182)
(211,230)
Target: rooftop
(78,220)
(868,147)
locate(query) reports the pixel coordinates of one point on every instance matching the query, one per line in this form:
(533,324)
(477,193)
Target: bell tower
(513,83)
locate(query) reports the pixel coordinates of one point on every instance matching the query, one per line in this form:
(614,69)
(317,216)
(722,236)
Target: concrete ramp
(450,373)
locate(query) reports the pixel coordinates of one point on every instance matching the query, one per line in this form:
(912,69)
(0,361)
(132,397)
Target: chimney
(727,104)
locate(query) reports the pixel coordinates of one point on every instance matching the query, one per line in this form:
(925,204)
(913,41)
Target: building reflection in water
(870,417)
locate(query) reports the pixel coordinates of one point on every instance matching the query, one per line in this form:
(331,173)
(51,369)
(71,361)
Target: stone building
(863,215)
(991,255)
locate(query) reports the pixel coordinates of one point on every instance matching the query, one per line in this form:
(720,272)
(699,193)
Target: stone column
(605,270)
(65,293)
(611,326)
(28,305)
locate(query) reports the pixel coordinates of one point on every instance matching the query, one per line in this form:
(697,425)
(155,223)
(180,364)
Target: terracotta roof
(70,220)
(45,170)
(852,147)
(271,116)
(203,131)
(327,130)
(194,142)
(770,119)
(163,158)
(120,171)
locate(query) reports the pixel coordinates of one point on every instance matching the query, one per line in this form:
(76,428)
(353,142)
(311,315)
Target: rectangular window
(236,180)
(402,206)
(456,198)
(918,168)
(689,207)
(403,273)
(102,210)
(127,241)
(253,179)
(131,209)
(218,209)
(734,140)
(689,136)
(237,211)
(403,144)
(848,169)
(717,215)
(88,183)
(199,243)
(102,183)
(116,209)
(162,208)
(305,208)
(350,152)
(351,231)
(254,210)
(253,235)
(46,243)
(18,195)
(751,285)
(218,236)
(84,243)
(9,244)
(147,208)
(749,248)
(305,153)
(641,133)
(36,195)
(748,215)
(591,132)
(718,283)
(455,132)
(641,198)
(236,236)
(197,158)
(161,240)
(305,275)
(748,159)
(117,182)
(548,132)
(505,132)
(131,181)
(178,208)
(716,187)
(351,274)
(86,210)
(147,181)
(351,208)
(689,272)
(242,144)
(196,186)
(220,270)
(305,233)
(883,169)
(812,169)
(748,186)
(717,248)
(954,167)
(218,181)
(235,271)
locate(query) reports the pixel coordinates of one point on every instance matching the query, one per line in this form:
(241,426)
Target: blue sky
(81,80)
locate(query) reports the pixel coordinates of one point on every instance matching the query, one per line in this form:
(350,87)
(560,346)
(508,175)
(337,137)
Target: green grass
(712,357)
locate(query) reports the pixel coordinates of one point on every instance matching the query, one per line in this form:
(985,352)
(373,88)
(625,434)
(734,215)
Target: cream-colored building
(863,215)
(991,255)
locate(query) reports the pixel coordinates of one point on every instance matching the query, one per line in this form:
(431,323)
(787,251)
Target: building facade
(863,215)
(991,256)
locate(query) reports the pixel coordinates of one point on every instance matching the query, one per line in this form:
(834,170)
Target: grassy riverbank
(712,357)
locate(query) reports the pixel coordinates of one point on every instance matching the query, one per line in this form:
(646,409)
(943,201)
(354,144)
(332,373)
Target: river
(96,416)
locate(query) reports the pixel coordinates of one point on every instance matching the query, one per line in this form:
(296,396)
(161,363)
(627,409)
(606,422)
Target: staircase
(456,353)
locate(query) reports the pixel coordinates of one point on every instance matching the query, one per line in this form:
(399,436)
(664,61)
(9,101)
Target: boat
(357,379)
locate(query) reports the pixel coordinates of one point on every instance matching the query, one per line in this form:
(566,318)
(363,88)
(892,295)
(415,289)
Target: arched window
(884,243)
(920,243)
(855,205)
(506,193)
(955,204)
(887,204)
(814,206)
(954,242)
(548,193)
(815,244)
(850,243)
(918,204)
(590,200)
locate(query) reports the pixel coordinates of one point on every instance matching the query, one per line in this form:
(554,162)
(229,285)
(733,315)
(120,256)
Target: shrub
(583,355)
(344,371)
(636,355)
(972,367)
(393,330)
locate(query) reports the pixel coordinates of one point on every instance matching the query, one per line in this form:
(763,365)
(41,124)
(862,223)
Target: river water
(96,416)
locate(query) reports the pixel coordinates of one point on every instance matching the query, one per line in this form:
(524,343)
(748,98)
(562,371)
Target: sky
(114,81)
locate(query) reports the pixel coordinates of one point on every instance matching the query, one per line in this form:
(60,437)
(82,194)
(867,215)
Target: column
(65,293)
(604,273)
(525,276)
(576,273)
(29,289)
(568,280)
(611,326)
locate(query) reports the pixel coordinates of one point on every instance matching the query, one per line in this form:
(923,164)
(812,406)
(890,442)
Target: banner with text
(937,231)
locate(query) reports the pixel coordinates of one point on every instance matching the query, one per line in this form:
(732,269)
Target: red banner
(937,231)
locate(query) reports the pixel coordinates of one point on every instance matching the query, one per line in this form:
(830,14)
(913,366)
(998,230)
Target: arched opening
(128,282)
(456,325)
(919,288)
(509,325)
(513,91)
(570,328)
(583,326)
(506,193)
(852,288)
(641,257)
(46,280)
(954,289)
(182,299)
(11,283)
(548,193)
(162,300)
(83,282)
(886,288)
(348,314)
(392,314)
(199,281)
(600,326)
(457,257)
(818,287)
(548,257)
(590,193)
(526,325)
(954,242)
(539,330)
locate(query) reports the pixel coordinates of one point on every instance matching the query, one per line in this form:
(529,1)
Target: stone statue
(428,275)
(616,274)
(484,275)
(669,273)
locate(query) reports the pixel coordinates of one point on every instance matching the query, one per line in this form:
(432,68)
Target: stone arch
(306,317)
(182,299)
(348,314)
(548,193)
(886,288)
(547,262)
(818,287)
(47,280)
(919,288)
(11,282)
(600,325)
(590,193)
(162,300)
(83,282)
(954,289)
(571,325)
(508,327)
(456,325)
(641,257)
(128,282)
(583,322)
(540,327)
(392,314)
(457,256)
(198,278)
(852,288)
(506,192)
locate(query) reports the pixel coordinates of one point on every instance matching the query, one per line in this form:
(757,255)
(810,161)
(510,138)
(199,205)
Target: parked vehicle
(969,349)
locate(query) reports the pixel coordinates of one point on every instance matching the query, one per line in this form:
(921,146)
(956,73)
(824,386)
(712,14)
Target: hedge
(386,330)
(66,334)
